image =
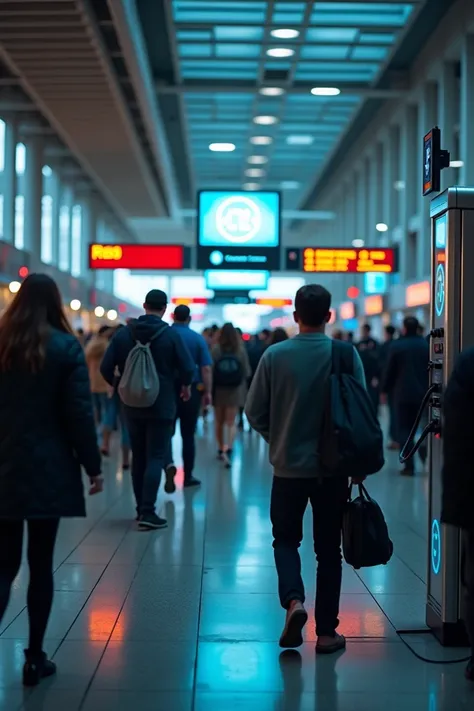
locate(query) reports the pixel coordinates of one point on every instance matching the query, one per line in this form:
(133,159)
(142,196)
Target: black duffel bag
(365,538)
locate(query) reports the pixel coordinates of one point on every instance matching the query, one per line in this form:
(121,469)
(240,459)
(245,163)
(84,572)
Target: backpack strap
(150,340)
(342,358)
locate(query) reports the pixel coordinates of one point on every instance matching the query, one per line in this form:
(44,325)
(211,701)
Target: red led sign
(348,260)
(136,256)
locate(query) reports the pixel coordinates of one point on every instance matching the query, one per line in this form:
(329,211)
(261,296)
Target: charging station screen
(238,230)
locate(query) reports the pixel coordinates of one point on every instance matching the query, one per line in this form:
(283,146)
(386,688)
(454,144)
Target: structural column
(88,235)
(426,120)
(466,143)
(10,181)
(33,196)
(388,182)
(448,116)
(56,204)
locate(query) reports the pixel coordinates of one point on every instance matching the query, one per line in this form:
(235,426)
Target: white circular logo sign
(238,219)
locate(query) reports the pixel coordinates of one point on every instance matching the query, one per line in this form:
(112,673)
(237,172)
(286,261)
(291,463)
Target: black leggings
(41,541)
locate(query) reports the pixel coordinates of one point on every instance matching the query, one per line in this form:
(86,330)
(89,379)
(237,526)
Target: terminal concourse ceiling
(212,61)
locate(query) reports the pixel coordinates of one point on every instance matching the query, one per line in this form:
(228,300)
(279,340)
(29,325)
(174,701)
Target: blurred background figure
(278,336)
(231,373)
(384,352)
(349,337)
(114,416)
(368,349)
(265,337)
(406,381)
(338,335)
(95,351)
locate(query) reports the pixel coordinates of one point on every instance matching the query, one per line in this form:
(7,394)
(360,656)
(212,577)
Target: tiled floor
(188,619)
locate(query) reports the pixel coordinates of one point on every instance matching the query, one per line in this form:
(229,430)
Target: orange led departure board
(348,260)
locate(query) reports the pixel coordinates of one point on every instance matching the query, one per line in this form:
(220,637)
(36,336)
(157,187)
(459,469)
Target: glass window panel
(348,67)
(287,18)
(360,19)
(194,50)
(19,222)
(382,38)
(216,74)
(64,220)
(20,158)
(331,34)
(76,239)
(324,51)
(367,52)
(189,35)
(238,50)
(47,229)
(238,33)
(2,145)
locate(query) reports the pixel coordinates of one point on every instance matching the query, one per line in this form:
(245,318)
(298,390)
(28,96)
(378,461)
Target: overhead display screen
(138,256)
(238,230)
(349,261)
(227,280)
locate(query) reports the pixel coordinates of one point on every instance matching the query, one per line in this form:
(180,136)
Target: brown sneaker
(330,645)
(296,618)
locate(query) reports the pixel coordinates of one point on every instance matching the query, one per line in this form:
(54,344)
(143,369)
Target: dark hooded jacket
(172,358)
(47,432)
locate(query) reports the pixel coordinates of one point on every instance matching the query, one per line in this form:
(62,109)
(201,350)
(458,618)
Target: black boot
(37,667)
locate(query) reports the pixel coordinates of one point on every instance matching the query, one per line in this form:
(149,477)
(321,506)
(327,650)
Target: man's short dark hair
(156,300)
(367,327)
(411,325)
(182,313)
(390,330)
(312,304)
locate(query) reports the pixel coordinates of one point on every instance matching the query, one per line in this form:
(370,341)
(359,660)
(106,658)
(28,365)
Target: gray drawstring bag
(140,383)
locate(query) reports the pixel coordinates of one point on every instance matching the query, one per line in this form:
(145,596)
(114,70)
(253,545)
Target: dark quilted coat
(46,432)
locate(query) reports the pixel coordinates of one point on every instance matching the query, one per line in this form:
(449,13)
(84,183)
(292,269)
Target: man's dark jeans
(289,501)
(149,440)
(468,583)
(188,415)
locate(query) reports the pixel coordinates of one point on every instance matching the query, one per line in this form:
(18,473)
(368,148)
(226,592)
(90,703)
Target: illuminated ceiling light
(254,173)
(14,286)
(299,140)
(358,243)
(280,52)
(456,163)
(399,185)
(271,91)
(251,186)
(75,304)
(47,172)
(289,185)
(285,33)
(99,311)
(112,315)
(325,91)
(381,227)
(257,160)
(265,120)
(261,140)
(222,147)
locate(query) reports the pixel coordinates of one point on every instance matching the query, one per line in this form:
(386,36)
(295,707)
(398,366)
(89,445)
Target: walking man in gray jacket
(286,406)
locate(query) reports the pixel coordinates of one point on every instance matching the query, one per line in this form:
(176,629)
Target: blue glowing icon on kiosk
(435,546)
(440,289)
(216,258)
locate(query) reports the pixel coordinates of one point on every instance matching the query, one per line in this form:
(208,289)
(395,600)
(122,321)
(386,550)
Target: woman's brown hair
(229,339)
(27,323)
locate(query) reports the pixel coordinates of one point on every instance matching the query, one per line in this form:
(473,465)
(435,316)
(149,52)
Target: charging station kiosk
(452,330)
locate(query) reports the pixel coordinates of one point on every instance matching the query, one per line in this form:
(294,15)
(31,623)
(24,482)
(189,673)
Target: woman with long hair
(47,432)
(230,375)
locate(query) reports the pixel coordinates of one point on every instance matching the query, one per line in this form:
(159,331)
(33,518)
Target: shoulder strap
(342,358)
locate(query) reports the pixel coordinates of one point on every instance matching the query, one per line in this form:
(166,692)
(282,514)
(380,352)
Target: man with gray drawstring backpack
(149,356)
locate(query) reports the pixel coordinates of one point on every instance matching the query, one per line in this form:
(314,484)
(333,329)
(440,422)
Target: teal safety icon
(440,289)
(435,546)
